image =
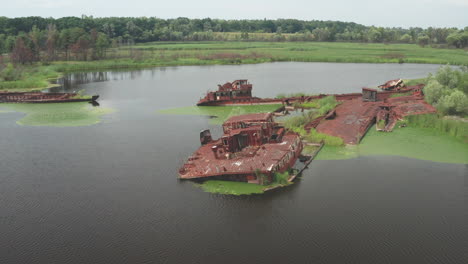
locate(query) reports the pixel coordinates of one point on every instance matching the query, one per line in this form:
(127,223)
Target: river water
(109,193)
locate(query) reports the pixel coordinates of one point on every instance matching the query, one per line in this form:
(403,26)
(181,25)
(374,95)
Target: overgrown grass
(400,94)
(31,78)
(410,82)
(297,123)
(311,51)
(317,137)
(281,178)
(58,114)
(454,128)
(220,113)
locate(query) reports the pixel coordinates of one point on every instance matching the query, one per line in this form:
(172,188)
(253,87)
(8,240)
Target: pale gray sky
(391,13)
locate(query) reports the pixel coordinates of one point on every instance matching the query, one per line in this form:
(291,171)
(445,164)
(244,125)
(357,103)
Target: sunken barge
(40,97)
(238,92)
(252,149)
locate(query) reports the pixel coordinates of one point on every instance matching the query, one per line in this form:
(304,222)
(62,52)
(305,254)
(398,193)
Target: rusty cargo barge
(252,149)
(40,97)
(239,92)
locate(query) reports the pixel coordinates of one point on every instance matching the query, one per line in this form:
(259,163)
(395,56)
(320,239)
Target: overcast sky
(391,13)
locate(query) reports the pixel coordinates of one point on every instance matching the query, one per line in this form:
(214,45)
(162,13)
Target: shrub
(281,178)
(447,91)
(10,73)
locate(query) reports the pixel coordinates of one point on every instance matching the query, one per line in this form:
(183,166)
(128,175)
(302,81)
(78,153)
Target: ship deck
(354,117)
(203,162)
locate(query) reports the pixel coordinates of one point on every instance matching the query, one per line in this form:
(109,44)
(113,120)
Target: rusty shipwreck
(238,92)
(252,148)
(40,97)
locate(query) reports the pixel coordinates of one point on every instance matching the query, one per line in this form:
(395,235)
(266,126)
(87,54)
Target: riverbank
(162,54)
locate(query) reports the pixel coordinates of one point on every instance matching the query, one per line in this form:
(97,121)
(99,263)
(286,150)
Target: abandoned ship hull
(253,101)
(252,149)
(39,97)
(289,100)
(265,159)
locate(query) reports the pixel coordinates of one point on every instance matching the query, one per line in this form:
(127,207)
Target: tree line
(33,38)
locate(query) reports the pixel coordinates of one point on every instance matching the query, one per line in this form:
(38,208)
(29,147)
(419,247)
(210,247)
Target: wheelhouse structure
(252,148)
(239,91)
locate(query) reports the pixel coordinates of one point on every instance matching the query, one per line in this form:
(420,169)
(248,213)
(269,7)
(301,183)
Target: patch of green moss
(58,114)
(220,113)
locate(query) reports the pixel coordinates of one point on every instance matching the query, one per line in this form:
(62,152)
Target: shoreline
(173,54)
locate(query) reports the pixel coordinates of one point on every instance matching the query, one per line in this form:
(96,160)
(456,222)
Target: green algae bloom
(231,187)
(220,113)
(411,142)
(57,114)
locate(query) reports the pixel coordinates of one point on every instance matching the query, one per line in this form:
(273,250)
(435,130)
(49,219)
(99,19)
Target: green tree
(406,38)
(102,44)
(423,40)
(433,91)
(446,76)
(454,103)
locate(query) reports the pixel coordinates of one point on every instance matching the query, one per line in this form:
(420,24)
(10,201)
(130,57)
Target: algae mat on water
(220,113)
(230,187)
(411,142)
(58,114)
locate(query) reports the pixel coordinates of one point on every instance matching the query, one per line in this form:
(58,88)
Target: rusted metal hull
(39,97)
(246,101)
(354,117)
(264,159)
(252,148)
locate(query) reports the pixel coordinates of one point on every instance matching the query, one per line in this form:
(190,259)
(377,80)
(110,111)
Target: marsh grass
(31,78)
(454,128)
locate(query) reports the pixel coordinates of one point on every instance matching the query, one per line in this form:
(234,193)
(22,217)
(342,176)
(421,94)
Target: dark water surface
(108,193)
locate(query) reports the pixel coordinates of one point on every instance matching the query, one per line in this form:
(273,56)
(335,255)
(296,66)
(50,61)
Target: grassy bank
(28,78)
(58,114)
(210,53)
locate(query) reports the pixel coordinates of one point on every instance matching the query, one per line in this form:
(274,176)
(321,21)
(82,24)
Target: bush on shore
(447,90)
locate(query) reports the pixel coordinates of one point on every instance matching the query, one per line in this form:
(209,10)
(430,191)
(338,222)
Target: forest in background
(30,39)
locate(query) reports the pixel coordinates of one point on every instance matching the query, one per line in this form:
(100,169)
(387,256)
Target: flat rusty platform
(353,118)
(264,158)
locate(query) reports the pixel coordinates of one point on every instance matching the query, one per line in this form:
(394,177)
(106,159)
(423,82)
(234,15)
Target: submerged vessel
(238,92)
(40,97)
(252,149)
